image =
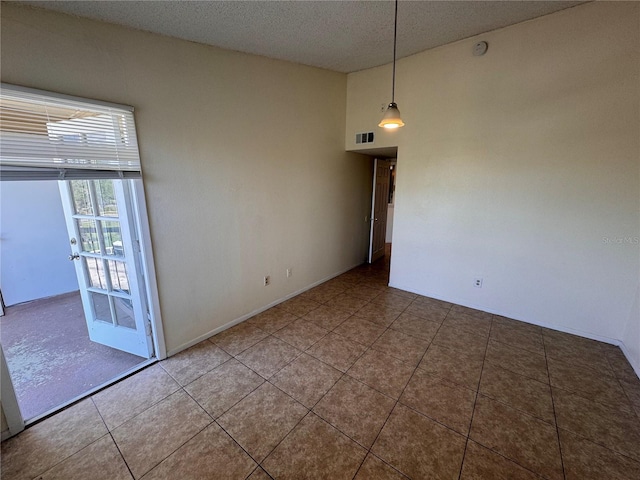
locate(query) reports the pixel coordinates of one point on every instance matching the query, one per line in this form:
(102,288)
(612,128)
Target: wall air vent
(366,137)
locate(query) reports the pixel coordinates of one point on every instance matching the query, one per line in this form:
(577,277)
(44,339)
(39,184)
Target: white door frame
(8,397)
(141,218)
(9,401)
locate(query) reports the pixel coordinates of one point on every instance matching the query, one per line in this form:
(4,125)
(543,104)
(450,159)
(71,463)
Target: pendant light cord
(395,36)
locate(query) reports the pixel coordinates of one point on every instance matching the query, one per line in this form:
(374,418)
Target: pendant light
(391,118)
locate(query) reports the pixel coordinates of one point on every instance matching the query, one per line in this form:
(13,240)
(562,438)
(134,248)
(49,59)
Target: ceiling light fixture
(391,118)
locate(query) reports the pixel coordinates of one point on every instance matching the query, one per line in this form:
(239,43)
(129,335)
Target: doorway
(74,283)
(382,209)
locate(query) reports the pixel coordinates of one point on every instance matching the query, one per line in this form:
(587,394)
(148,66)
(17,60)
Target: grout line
(553,404)
(475,402)
(121,455)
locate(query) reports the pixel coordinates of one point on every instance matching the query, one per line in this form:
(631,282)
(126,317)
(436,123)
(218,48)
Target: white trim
(373,210)
(10,405)
(148,267)
(19,88)
(241,319)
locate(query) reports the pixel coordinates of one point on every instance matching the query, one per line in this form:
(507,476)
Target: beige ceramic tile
(632,389)
(606,426)
(577,351)
(517,326)
(239,338)
(306,379)
(382,372)
(397,291)
(419,447)
(131,396)
(416,326)
(428,311)
(462,341)
(455,309)
(526,440)
(363,291)
(383,315)
(301,334)
(193,362)
(444,402)
(402,346)
(337,351)
(268,356)
(584,460)
(621,367)
(468,323)
(356,410)
(433,302)
(99,461)
(259,474)
(272,320)
(518,361)
(480,463)
(210,454)
(299,306)
(325,292)
(393,300)
(327,318)
(347,303)
(360,330)
(315,450)
(520,392)
(262,419)
(517,337)
(375,469)
(223,387)
(149,438)
(47,443)
(453,365)
(589,383)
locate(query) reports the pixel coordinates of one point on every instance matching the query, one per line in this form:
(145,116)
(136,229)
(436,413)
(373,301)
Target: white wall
(243,160)
(34,244)
(517,166)
(389,234)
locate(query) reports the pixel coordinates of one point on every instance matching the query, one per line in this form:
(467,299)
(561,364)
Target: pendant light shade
(391,118)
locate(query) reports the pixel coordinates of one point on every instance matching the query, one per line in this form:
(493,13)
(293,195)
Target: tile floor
(355,380)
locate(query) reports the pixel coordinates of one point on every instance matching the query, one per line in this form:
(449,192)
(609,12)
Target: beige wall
(243,160)
(518,166)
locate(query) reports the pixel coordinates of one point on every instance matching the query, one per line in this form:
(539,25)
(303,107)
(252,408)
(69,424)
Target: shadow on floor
(50,356)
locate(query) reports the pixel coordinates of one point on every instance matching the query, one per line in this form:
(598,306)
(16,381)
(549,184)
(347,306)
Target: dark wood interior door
(380,201)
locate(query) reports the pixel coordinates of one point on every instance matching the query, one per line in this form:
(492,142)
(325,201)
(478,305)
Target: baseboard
(241,319)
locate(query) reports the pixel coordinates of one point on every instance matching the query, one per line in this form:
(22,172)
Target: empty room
(323,239)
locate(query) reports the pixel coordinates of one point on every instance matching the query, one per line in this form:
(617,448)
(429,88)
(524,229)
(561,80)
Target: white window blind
(45,135)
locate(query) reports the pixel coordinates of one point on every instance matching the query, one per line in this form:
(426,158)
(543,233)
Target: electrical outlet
(477,282)
(289,272)
(267,280)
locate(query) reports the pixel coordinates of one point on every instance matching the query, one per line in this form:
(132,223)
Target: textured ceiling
(345,36)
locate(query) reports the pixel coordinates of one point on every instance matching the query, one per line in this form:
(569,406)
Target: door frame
(8,397)
(10,407)
(141,217)
(372,217)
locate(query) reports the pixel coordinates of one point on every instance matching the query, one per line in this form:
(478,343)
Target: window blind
(45,135)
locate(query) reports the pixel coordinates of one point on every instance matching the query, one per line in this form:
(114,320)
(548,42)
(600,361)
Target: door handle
(74,256)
